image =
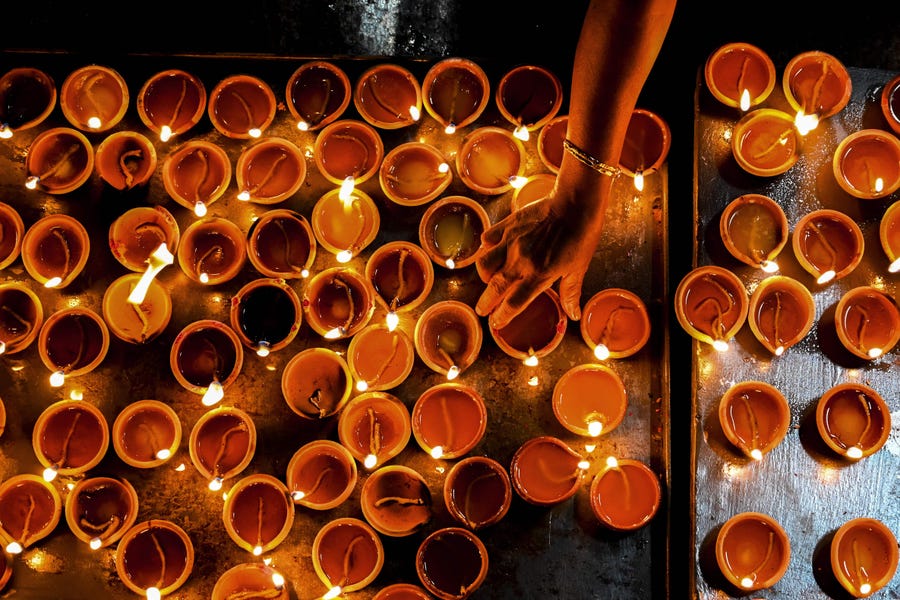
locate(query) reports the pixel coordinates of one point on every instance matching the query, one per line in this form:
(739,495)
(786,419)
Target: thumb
(570,294)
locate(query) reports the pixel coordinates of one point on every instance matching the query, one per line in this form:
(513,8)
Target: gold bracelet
(589,161)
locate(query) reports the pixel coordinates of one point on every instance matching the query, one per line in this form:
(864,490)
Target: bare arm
(555,238)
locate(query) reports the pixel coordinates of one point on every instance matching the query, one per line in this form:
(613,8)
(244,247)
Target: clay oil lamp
(212,250)
(59,160)
(380,358)
(317,94)
(754,230)
(863,556)
(452,563)
(448,420)
(125,160)
(138,232)
(752,551)
(12,229)
(316,383)
(477,491)
(266,315)
(270,171)
(402,275)
(625,494)
(99,510)
(94,98)
(755,417)
(828,244)
(546,471)
(401,591)
(281,243)
(136,323)
(146,434)
(374,427)
(347,555)
(396,501)
(414,173)
(867,321)
(615,323)
(27,97)
(455,92)
(890,103)
(196,174)
(348,152)
(781,313)
(250,580)
(528,96)
(30,509)
(866,164)
(241,107)
(817,86)
(70,438)
(765,142)
(222,444)
(590,400)
(258,513)
(739,75)
(550,142)
(853,420)
(388,96)
(338,302)
(171,103)
(321,475)
(154,558)
(491,161)
(206,358)
(450,231)
(55,250)
(536,188)
(345,224)
(889,235)
(536,331)
(448,337)
(72,342)
(21,317)
(711,305)
(646,146)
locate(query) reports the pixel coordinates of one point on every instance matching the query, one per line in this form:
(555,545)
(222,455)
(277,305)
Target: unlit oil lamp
(171,103)
(452,563)
(396,501)
(125,160)
(317,94)
(755,417)
(241,107)
(316,383)
(27,97)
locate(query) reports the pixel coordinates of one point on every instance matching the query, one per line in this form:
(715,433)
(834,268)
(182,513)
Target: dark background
(862,33)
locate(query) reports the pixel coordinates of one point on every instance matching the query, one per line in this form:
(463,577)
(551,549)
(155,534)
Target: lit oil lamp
(528,96)
(99,510)
(316,383)
(739,75)
(154,558)
(241,107)
(765,142)
(196,174)
(711,305)
(536,187)
(94,98)
(590,400)
(321,475)
(414,173)
(400,591)
(646,146)
(59,160)
(491,161)
(347,555)
(374,427)
(450,231)
(817,86)
(452,563)
(550,142)
(251,580)
(546,471)
(140,322)
(755,417)
(625,494)
(890,103)
(448,337)
(338,302)
(867,320)
(171,102)
(754,230)
(388,96)
(448,420)
(402,275)
(125,160)
(345,224)
(455,92)
(222,444)
(30,509)
(889,235)
(781,313)
(258,513)
(853,420)
(348,150)
(317,94)
(752,551)
(70,438)
(72,342)
(380,358)
(21,317)
(863,556)
(270,171)
(828,244)
(477,491)
(281,244)
(615,323)
(212,250)
(866,164)
(206,358)
(55,249)
(27,97)
(536,331)
(396,501)
(138,232)
(12,229)
(265,313)
(146,434)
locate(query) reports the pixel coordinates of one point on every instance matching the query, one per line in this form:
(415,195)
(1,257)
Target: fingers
(490,261)
(570,294)
(493,295)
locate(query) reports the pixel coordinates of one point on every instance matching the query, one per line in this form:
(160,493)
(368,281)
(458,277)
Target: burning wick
(214,393)
(595,428)
(6,131)
(521,132)
(158,260)
(165,132)
(153,593)
(639,181)
(805,123)
(263,348)
(450,128)
(199,208)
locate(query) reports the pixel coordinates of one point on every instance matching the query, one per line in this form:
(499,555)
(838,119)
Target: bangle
(589,161)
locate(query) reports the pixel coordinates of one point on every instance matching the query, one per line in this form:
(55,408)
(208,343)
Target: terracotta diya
(490,161)
(867,320)
(853,420)
(828,244)
(321,475)
(448,420)
(12,229)
(450,231)
(154,554)
(21,317)
(452,563)
(258,513)
(625,494)
(27,97)
(414,173)
(765,142)
(455,92)
(345,224)
(448,337)
(739,75)
(206,358)
(55,250)
(889,235)
(477,491)
(890,103)
(270,171)
(752,551)
(338,302)
(528,97)
(222,444)
(396,501)
(863,556)
(550,142)
(94,98)
(72,342)
(171,103)
(212,250)
(546,471)
(125,160)
(146,434)
(136,323)
(250,580)
(388,96)
(866,164)
(265,313)
(59,160)
(347,555)
(348,149)
(615,323)
(281,243)
(316,383)
(401,274)
(99,510)
(317,94)
(196,174)
(755,417)
(754,230)
(241,106)
(711,305)
(536,331)
(816,84)
(380,358)
(374,427)
(70,438)
(30,510)
(138,232)
(590,400)
(781,313)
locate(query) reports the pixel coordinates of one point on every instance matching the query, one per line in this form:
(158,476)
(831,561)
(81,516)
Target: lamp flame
(14,548)
(158,260)
(392,321)
(332,593)
(215,484)
(346,193)
(199,208)
(414,113)
(517,181)
(32,181)
(895,266)
(595,428)
(521,132)
(257,550)
(53,282)
(255,132)
(452,373)
(57,378)
(297,495)
(854,452)
(165,132)
(769,266)
(450,128)
(6,131)
(805,123)
(243,195)
(639,181)
(50,473)
(756,454)
(94,123)
(153,593)
(263,348)
(443,168)
(362,386)
(344,256)
(277,580)
(531,361)
(437,452)
(164,454)
(720,345)
(601,351)
(95,543)
(370,461)
(745,100)
(214,393)
(826,276)
(302,125)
